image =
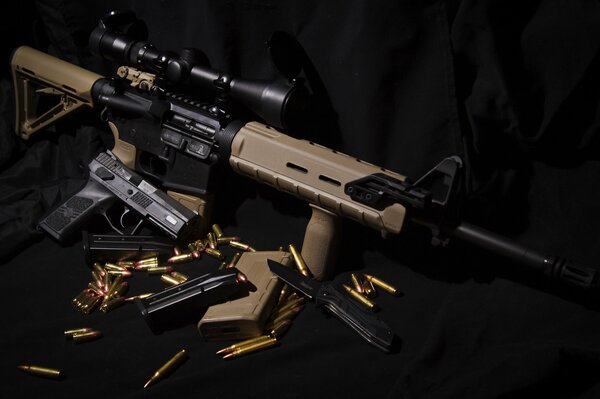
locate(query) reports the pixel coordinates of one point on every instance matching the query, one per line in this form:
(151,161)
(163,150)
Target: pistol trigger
(121,219)
(117,230)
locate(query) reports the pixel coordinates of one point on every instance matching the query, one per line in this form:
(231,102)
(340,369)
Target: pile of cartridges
(107,289)
(364,289)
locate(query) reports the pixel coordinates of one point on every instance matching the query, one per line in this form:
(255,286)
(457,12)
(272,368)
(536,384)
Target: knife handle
(363,321)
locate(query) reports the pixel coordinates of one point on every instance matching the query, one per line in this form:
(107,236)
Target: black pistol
(111,181)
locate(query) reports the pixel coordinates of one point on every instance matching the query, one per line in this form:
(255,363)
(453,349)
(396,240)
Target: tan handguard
(244,317)
(64,86)
(318,175)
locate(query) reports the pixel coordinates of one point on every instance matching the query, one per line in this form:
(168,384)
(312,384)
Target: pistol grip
(201,205)
(69,216)
(123,150)
(321,240)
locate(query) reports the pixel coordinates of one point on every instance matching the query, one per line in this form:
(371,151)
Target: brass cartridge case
(86,336)
(289,314)
(127,264)
(114,286)
(159,269)
(217,230)
(196,246)
(89,303)
(114,267)
(168,367)
(234,260)
(382,284)
(107,280)
(187,257)
(111,304)
(280,328)
(291,303)
(98,268)
(241,245)
(146,261)
(368,289)
(286,290)
(167,278)
(361,298)
(212,240)
(299,261)
(69,333)
(227,240)
(119,291)
(242,350)
(230,348)
(124,273)
(96,276)
(42,371)
(144,267)
(356,283)
(86,301)
(215,253)
(140,296)
(98,289)
(182,278)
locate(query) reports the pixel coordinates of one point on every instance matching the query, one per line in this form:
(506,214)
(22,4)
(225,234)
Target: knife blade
(363,321)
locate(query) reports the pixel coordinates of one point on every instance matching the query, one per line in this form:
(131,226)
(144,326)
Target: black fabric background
(512,87)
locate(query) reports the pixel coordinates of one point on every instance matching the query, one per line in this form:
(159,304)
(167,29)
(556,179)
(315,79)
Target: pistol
(110,181)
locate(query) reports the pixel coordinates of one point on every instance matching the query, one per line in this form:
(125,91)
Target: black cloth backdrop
(511,87)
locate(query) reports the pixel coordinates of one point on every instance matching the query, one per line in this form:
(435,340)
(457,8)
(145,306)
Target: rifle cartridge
(69,333)
(382,284)
(42,371)
(253,347)
(360,298)
(86,336)
(168,367)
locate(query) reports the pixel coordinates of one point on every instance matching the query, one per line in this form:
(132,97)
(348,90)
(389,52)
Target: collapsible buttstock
(46,89)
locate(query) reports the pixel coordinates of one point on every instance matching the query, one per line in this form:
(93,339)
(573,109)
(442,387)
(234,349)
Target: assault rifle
(179,142)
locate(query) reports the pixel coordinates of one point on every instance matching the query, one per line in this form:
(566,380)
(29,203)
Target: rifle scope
(121,37)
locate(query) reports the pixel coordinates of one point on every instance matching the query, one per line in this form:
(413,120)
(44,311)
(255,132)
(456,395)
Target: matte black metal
(279,102)
(325,295)
(115,247)
(184,303)
(308,287)
(555,267)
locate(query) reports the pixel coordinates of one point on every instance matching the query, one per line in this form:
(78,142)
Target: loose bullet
(361,298)
(217,230)
(299,261)
(382,284)
(268,342)
(168,367)
(69,333)
(42,371)
(86,336)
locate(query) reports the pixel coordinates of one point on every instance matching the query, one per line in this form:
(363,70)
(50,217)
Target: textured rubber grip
(69,216)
